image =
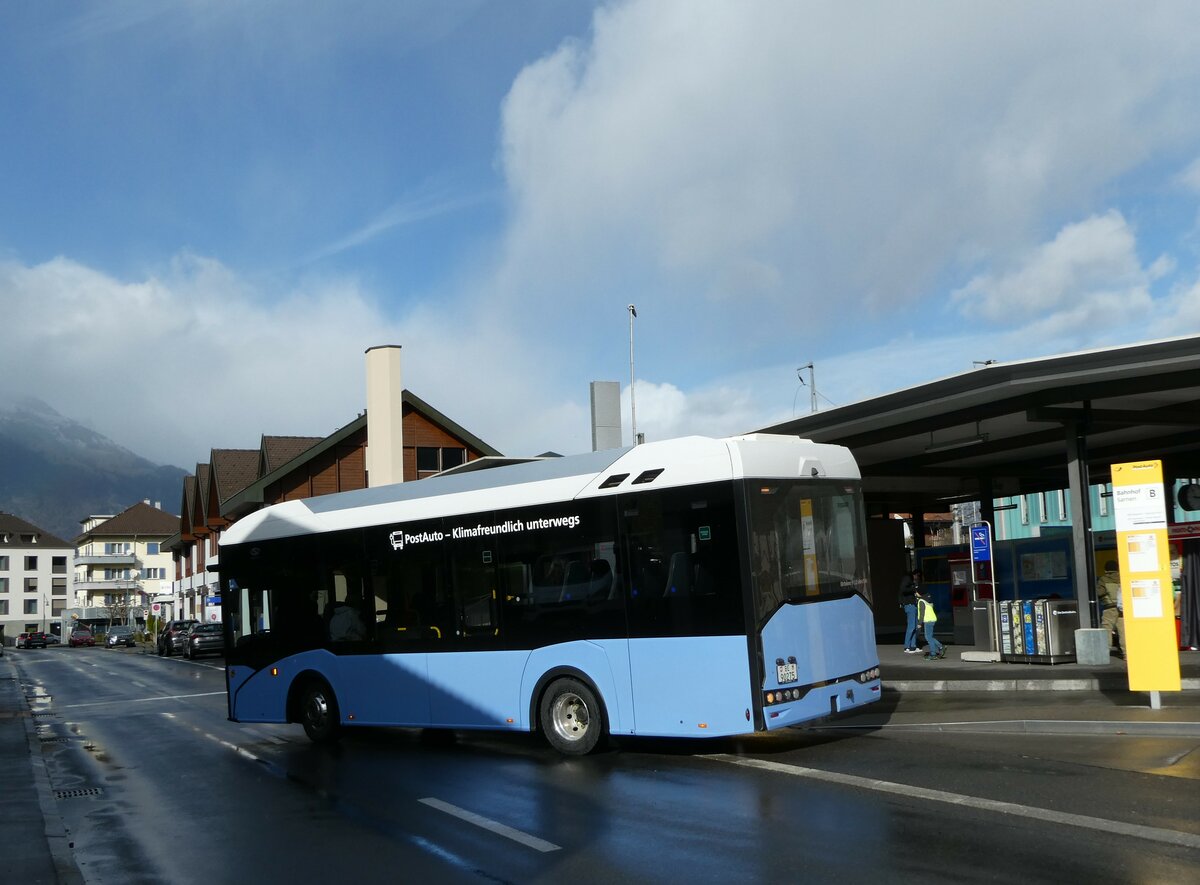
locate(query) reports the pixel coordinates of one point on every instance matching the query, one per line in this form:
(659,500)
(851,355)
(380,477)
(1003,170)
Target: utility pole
(812,385)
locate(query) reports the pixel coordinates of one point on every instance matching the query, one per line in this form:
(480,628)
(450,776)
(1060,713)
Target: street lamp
(632,402)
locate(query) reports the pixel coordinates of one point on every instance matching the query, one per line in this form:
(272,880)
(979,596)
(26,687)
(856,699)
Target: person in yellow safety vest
(1108,594)
(928,617)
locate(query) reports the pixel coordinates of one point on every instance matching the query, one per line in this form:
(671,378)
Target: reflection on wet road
(154,784)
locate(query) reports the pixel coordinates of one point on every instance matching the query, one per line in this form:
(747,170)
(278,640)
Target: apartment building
(34,570)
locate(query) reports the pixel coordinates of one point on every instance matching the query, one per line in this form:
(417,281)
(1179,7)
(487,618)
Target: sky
(209,209)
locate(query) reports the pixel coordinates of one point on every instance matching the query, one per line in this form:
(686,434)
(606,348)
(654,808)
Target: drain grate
(77,794)
(43,713)
(54,740)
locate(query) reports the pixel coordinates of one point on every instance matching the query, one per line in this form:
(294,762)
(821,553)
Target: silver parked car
(119,634)
(204,639)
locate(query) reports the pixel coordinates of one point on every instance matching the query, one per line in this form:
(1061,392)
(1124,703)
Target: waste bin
(1039,631)
(983,619)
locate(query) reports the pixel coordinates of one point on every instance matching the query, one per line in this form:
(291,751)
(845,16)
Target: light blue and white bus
(686,588)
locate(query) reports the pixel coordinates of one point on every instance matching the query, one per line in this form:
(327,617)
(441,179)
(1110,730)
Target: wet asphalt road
(154,785)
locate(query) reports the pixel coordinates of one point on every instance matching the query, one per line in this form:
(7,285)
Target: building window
(431,459)
(31,606)
(3,606)
(1024,510)
(58,565)
(3,585)
(116,548)
(1062,505)
(31,563)
(31,585)
(58,586)
(152,548)
(3,563)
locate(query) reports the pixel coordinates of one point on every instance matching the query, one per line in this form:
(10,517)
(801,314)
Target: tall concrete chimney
(385,410)
(606,415)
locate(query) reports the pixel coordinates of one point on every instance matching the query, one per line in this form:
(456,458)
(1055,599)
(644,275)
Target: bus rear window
(806,541)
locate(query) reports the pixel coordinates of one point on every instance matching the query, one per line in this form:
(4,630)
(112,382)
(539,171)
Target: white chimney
(385,407)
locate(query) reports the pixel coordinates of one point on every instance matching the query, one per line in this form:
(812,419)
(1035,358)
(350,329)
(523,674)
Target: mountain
(54,472)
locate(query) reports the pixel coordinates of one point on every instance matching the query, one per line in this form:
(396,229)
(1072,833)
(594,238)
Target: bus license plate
(786,672)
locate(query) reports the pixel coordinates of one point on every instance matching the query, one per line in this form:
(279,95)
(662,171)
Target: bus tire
(571,717)
(319,712)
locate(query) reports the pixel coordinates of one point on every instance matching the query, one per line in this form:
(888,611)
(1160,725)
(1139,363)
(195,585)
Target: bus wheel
(319,713)
(571,718)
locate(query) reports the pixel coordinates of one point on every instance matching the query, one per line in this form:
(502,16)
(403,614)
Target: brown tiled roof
(233,470)
(14,527)
(140,519)
(278,450)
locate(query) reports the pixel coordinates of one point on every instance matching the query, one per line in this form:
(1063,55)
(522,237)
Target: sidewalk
(36,849)
(1067,699)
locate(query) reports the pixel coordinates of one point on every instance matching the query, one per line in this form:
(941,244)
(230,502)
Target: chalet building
(34,567)
(237,482)
(120,564)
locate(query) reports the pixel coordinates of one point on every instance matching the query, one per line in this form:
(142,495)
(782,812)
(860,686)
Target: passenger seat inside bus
(679,575)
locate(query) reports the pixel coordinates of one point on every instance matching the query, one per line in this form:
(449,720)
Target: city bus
(686,588)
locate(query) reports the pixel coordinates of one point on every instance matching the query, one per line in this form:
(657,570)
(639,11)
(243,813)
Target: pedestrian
(909,585)
(928,617)
(1108,593)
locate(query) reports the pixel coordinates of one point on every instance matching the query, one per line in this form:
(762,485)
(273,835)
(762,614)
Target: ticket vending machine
(961,596)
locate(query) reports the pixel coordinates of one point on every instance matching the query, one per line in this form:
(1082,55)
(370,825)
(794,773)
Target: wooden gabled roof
(141,520)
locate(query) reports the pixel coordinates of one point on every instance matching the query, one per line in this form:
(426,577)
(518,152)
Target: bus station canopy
(1013,428)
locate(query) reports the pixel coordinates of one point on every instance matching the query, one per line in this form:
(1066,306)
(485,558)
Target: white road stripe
(170,697)
(486,823)
(1154,834)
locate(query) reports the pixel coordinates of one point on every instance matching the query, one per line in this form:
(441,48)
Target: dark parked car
(80,636)
(119,634)
(204,639)
(171,639)
(31,640)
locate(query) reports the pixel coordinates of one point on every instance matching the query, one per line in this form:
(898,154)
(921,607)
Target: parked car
(119,634)
(53,639)
(171,639)
(204,639)
(79,637)
(31,640)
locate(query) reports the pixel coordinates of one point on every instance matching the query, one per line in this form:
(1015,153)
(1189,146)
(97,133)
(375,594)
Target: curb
(1032,726)
(60,848)
(1106,684)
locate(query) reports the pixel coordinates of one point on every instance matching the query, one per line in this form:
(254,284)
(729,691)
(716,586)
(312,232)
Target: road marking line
(1154,834)
(170,697)
(494,826)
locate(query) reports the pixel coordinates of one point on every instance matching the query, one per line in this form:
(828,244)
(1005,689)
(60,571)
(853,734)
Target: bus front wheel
(571,717)
(319,713)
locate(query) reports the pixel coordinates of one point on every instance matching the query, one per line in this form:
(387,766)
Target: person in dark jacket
(909,586)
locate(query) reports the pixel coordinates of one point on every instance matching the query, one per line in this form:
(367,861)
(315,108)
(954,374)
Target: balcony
(107,559)
(114,585)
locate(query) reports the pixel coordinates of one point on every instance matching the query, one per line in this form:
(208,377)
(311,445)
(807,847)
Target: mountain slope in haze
(54,472)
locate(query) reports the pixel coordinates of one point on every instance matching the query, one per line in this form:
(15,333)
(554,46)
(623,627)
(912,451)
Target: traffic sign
(981,545)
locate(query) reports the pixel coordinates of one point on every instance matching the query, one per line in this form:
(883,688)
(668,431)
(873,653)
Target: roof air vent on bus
(648,476)
(615,480)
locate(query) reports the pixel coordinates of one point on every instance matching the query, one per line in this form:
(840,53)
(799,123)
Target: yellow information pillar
(1146,593)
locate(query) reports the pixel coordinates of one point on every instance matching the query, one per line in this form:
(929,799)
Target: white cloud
(1089,268)
(809,160)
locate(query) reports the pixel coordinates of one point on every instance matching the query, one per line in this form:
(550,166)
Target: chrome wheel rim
(317,711)
(569,717)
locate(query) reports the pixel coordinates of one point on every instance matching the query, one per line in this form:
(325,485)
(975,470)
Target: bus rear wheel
(319,713)
(571,718)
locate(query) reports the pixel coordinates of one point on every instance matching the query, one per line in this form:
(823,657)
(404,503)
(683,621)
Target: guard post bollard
(1091,646)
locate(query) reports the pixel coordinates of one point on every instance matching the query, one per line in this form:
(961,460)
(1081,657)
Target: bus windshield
(806,542)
